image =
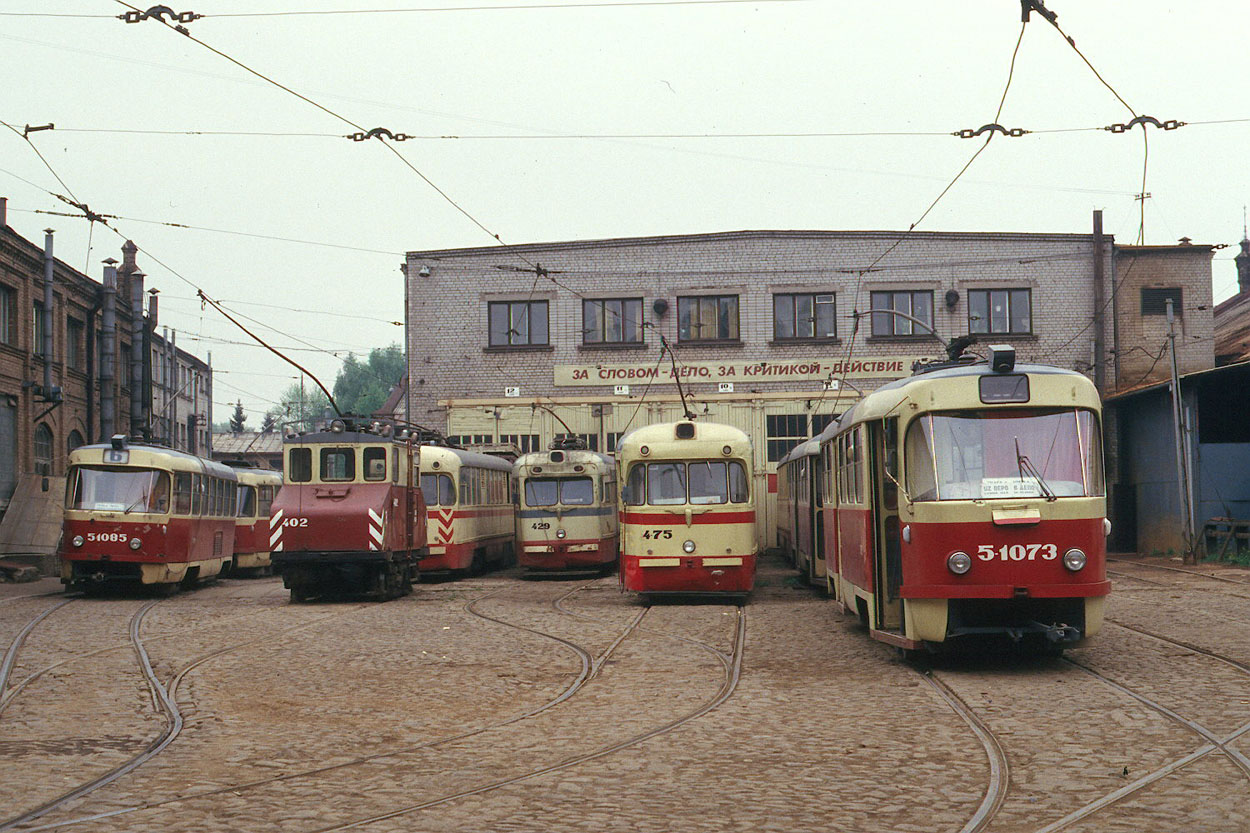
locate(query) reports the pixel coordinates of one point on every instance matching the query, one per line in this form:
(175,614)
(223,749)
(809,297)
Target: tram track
(1214,742)
(164,699)
(996,756)
(732,666)
(589,666)
(15,648)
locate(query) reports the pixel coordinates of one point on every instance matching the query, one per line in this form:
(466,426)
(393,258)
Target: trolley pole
(1182,474)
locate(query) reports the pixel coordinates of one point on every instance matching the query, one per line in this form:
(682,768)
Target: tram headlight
(77,540)
(1074,560)
(135,543)
(560,533)
(958,563)
(687,546)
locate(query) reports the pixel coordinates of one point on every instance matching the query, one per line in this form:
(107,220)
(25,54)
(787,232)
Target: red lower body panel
(568,554)
(688,574)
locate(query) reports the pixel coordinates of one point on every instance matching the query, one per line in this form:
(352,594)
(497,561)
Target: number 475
(658,533)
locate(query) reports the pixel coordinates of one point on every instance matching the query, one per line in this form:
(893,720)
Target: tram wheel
(478,566)
(299,595)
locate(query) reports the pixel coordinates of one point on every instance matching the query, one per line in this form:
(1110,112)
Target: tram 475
(687,510)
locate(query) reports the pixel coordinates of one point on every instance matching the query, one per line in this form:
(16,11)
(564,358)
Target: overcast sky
(514,84)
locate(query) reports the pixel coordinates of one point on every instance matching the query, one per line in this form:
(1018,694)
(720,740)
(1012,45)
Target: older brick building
(64,381)
(519,343)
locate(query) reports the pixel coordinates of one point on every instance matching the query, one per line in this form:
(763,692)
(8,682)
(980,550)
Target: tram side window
(635,491)
(338,464)
(247,503)
(739,487)
(577,491)
(182,493)
(299,465)
(197,494)
(264,501)
(375,463)
(465,489)
(437,490)
(708,483)
(232,495)
(541,492)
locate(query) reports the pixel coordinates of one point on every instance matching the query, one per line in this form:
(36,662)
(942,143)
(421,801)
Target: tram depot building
(517,344)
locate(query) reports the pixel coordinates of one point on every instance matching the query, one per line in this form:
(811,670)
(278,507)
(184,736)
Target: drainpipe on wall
(1100,353)
(50,393)
(108,361)
(137,326)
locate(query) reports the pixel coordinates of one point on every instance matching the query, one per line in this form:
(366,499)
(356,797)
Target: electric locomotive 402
(687,510)
(566,513)
(145,515)
(350,518)
(970,502)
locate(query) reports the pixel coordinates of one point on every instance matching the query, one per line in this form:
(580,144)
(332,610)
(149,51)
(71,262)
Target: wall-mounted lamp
(660,306)
(952,299)
(424,271)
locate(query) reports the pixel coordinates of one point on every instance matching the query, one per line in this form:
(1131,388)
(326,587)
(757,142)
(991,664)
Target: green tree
(237,418)
(269,424)
(301,409)
(362,386)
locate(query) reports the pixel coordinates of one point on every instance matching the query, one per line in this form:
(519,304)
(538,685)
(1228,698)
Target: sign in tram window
(375,463)
(1012,387)
(338,464)
(299,465)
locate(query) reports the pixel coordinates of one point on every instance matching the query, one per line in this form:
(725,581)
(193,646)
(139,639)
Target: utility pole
(1182,474)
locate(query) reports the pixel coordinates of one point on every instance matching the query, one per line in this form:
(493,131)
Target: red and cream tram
(968,500)
(145,515)
(687,509)
(566,513)
(800,522)
(472,518)
(257,488)
(349,519)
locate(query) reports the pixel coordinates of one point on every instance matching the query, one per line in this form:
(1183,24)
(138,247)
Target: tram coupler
(1061,634)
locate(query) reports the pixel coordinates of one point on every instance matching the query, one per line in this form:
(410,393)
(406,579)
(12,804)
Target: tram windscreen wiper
(1022,462)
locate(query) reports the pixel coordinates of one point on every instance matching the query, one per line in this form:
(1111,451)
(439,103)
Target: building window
(8,303)
(784,432)
(74,440)
(914,305)
(36,346)
(1000,311)
(612,321)
(74,334)
(525,442)
(803,316)
(707,318)
(613,437)
(43,450)
(517,323)
(1155,301)
(466,440)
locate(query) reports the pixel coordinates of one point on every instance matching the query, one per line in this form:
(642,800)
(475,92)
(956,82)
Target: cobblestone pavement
(499,704)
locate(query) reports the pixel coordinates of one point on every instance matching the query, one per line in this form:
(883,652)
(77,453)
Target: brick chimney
(1243,266)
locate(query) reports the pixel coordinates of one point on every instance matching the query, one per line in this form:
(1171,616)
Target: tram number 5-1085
(1017,552)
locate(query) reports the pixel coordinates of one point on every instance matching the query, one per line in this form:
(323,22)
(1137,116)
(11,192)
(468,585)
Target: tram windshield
(699,482)
(984,454)
(120,489)
(567,491)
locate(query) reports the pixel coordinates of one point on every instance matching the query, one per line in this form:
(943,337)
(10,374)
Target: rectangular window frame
(8,315)
(886,325)
(796,316)
(1154,300)
(697,312)
(611,321)
(517,323)
(983,320)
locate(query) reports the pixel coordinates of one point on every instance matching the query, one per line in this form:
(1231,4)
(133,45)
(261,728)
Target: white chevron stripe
(278,548)
(372,546)
(375,534)
(276,539)
(275,519)
(377,519)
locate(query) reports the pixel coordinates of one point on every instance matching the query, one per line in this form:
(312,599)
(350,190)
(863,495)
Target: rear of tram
(687,510)
(257,489)
(566,513)
(1003,511)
